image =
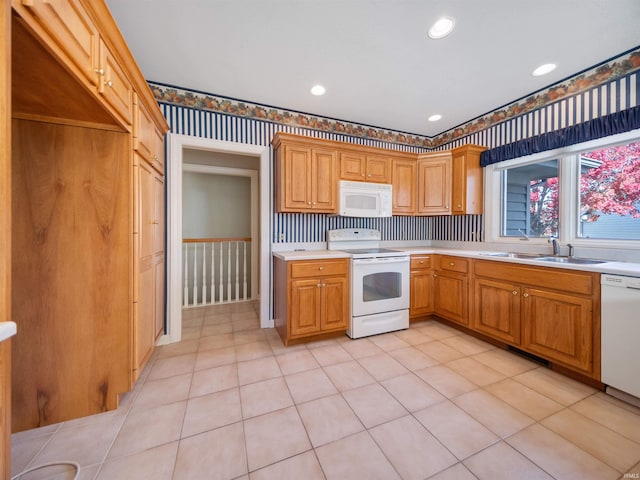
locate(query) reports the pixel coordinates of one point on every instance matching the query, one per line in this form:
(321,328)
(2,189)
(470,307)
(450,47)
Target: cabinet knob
(362,174)
(314,203)
(525,295)
(435,274)
(109,83)
(515,292)
(447,207)
(320,268)
(308,203)
(319,285)
(459,206)
(451,264)
(369,174)
(99,71)
(421,262)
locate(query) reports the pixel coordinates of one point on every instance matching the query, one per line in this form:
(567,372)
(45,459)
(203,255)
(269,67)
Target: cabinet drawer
(319,268)
(454,264)
(420,261)
(114,85)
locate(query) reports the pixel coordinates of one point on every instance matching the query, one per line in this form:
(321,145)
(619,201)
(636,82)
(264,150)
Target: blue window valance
(619,122)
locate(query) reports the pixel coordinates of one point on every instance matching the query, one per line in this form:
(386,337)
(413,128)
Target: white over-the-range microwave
(364,199)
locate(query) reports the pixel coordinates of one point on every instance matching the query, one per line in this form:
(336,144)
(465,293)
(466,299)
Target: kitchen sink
(513,255)
(574,260)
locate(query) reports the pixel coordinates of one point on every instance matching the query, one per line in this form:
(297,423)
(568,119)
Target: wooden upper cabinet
(361,167)
(148,141)
(434,184)
(467,180)
(158,150)
(403,179)
(353,166)
(378,169)
(306,178)
(114,85)
(69,25)
(143,130)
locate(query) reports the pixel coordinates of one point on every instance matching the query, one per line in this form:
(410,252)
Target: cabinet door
(378,169)
(114,85)
(335,304)
(404,186)
(147,212)
(70,26)
(451,296)
(352,166)
(158,214)
(467,180)
(497,309)
(305,307)
(296,178)
(144,321)
(434,186)
(324,197)
(158,150)
(158,313)
(558,327)
(143,131)
(421,293)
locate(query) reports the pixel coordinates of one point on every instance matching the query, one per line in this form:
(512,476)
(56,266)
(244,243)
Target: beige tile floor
(231,402)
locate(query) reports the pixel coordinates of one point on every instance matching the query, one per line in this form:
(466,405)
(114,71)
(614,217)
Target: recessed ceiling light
(441,28)
(544,69)
(434,118)
(318,90)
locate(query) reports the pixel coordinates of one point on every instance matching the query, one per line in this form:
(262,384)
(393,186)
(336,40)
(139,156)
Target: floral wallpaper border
(603,73)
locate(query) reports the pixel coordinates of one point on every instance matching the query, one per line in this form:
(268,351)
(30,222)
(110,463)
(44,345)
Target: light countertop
(612,267)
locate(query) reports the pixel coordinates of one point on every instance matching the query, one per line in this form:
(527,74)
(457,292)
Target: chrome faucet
(554,244)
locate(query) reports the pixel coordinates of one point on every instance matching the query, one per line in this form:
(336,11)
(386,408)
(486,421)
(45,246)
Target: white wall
(215,206)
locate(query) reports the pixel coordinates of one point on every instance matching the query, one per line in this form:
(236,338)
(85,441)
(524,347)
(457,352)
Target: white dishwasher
(621,334)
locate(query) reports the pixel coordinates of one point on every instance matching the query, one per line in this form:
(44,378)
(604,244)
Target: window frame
(568,208)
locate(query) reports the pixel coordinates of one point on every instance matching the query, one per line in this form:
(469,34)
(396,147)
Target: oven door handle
(385,260)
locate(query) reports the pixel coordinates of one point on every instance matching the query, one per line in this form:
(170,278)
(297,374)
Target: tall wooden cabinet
(87,226)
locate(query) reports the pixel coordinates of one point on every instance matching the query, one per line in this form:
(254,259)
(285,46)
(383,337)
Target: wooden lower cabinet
(497,309)
(551,313)
(311,298)
(421,286)
(451,289)
(559,327)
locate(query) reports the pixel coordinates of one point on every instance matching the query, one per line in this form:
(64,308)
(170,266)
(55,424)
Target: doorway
(178,144)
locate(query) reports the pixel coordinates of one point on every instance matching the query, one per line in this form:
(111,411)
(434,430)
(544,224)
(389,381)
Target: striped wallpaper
(604,99)
(596,102)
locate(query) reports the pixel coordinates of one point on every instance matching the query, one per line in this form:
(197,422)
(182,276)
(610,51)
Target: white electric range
(379,282)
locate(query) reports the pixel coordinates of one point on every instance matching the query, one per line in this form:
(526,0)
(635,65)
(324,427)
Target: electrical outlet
(282,237)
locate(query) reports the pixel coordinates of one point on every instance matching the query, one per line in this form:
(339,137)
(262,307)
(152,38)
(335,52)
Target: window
(530,200)
(584,194)
(610,193)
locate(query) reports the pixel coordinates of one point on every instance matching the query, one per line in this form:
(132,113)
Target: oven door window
(381,286)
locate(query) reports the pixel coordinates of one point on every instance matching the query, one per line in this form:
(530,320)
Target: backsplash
(310,228)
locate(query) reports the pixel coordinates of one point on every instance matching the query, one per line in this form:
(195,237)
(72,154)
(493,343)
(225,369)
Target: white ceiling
(374,56)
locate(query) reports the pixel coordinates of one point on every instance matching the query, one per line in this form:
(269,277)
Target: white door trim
(254,204)
(177,143)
